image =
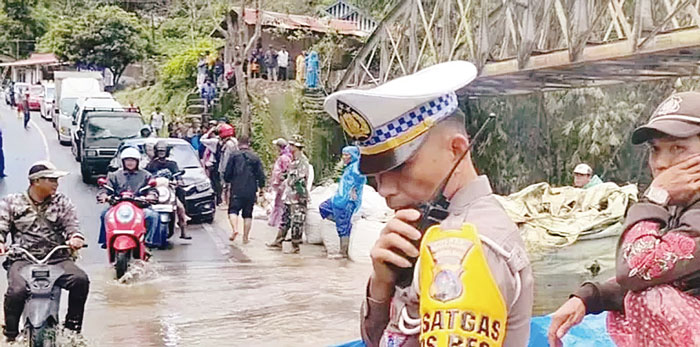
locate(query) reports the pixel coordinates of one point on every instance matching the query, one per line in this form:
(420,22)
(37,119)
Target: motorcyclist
(38,220)
(146,131)
(161,162)
(131,178)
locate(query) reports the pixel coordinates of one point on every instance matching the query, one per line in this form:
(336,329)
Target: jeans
(26,118)
(74,280)
(150,216)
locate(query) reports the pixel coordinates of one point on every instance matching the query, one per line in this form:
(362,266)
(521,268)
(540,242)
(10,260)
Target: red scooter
(125,227)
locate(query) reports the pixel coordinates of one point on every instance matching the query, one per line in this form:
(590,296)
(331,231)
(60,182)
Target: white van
(72,88)
(102,100)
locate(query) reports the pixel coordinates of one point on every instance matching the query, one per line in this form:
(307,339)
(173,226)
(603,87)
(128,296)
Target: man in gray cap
(411,133)
(645,257)
(38,220)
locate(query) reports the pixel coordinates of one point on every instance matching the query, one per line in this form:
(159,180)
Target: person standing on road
(279,172)
(157,121)
(472,265)
(25,109)
(38,220)
(295,197)
(246,176)
(227,145)
(2,158)
(347,199)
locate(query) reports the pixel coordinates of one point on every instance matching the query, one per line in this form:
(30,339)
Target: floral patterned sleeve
(648,255)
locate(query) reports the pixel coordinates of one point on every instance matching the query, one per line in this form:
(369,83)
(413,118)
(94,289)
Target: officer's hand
(568,315)
(392,247)
(76,242)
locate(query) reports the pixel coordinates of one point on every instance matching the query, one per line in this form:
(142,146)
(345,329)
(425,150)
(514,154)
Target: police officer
(411,132)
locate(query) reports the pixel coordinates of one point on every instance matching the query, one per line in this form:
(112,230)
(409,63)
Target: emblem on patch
(448,255)
(354,123)
(671,105)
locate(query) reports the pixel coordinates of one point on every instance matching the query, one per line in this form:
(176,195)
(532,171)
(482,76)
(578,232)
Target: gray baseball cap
(677,116)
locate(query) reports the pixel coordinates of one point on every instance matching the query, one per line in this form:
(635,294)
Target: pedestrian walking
(283,63)
(218,72)
(157,120)
(347,199)
(208,93)
(25,109)
(279,171)
(295,197)
(246,177)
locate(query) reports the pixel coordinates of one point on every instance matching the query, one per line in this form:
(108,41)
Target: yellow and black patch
(354,123)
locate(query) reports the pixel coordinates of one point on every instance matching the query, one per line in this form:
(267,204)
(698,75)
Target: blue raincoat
(348,198)
(312,66)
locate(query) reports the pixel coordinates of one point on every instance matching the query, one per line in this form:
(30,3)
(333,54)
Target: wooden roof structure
(522,46)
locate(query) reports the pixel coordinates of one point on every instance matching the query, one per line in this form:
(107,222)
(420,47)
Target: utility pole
(17,41)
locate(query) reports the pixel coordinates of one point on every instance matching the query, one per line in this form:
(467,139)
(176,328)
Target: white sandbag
(330,237)
(259,213)
(313,227)
(364,234)
(374,206)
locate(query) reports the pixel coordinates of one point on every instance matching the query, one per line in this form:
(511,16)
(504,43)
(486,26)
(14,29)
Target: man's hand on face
(681,181)
(76,242)
(394,245)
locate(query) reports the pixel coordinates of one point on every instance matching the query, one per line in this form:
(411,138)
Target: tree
(237,48)
(106,36)
(19,27)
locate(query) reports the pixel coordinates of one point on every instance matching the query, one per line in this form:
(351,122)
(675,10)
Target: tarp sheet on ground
(591,332)
(570,235)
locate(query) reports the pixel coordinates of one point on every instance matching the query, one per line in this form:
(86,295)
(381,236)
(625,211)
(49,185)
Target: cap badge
(671,105)
(354,123)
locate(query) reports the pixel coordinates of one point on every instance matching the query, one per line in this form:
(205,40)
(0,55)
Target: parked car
(99,100)
(36,97)
(199,198)
(49,102)
(100,132)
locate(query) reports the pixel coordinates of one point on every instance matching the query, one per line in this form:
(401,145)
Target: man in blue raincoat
(347,199)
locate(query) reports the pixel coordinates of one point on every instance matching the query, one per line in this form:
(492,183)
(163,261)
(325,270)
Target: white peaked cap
(388,123)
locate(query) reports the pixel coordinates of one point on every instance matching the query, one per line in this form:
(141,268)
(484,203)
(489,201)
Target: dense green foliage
(540,138)
(179,71)
(19,27)
(104,36)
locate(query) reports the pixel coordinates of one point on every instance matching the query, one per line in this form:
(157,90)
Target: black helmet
(162,145)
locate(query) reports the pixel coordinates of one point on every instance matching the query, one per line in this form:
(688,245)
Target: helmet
(226,130)
(162,146)
(130,153)
(145,129)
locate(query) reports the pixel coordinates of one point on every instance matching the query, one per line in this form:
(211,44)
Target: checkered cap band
(435,109)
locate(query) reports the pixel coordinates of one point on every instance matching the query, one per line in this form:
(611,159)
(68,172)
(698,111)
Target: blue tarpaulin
(591,332)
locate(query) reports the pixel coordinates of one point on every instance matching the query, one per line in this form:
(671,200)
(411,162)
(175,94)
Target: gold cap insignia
(354,124)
